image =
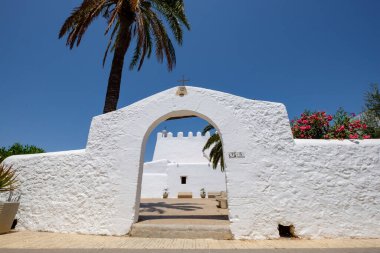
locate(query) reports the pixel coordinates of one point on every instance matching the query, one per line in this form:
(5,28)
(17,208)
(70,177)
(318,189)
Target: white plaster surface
(324,188)
(199,175)
(178,156)
(180,148)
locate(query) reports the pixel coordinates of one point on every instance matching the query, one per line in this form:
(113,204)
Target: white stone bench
(212,195)
(185,195)
(222,200)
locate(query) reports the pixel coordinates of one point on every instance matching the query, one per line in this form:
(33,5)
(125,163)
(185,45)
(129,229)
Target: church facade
(179,165)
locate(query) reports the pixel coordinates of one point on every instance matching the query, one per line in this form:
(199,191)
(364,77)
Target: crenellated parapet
(163,135)
(181,148)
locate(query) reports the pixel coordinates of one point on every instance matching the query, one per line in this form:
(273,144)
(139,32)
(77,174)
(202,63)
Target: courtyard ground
(182,211)
(182,218)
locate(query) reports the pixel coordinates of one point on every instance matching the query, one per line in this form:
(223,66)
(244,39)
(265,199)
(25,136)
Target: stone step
(219,232)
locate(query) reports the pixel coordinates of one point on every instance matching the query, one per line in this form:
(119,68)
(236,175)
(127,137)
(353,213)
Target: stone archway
(123,134)
(129,137)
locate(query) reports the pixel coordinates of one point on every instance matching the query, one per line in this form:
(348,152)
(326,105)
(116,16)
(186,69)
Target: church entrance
(183,187)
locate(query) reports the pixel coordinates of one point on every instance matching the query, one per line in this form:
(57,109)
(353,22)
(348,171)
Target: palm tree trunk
(114,80)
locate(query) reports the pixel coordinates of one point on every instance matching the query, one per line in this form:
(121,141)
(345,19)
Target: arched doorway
(182,169)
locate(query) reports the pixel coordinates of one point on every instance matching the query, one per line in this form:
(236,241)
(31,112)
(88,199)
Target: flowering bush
(311,125)
(317,125)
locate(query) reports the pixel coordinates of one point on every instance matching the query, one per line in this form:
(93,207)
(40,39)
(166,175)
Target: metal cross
(183,81)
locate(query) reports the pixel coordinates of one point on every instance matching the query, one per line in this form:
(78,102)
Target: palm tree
(215,143)
(128,20)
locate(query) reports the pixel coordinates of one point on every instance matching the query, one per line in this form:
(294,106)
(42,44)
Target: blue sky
(307,54)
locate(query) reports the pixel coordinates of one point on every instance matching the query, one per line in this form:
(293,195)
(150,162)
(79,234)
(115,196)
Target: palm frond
(208,128)
(216,152)
(110,42)
(211,141)
(76,25)
(8,178)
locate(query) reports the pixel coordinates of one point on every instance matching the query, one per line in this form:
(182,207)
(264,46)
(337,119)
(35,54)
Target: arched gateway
(322,188)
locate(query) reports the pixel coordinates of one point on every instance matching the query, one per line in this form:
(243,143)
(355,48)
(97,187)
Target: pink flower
(366,136)
(329,118)
(353,136)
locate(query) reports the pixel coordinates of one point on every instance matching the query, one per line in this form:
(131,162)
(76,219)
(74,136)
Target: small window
(183,180)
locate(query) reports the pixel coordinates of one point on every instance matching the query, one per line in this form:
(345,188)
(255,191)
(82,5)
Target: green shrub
(18,149)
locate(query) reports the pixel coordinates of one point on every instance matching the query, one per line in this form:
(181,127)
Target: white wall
(338,192)
(324,188)
(181,148)
(198,176)
(176,156)
(155,179)
(163,174)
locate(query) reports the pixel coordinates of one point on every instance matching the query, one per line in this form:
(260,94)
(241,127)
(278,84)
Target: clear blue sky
(307,54)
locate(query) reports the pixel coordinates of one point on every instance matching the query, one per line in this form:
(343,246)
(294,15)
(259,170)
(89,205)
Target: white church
(179,165)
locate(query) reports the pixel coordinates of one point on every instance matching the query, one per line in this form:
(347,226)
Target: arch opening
(196,194)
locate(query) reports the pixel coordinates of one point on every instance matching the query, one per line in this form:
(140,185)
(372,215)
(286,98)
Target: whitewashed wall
(199,175)
(176,156)
(181,148)
(323,188)
(155,179)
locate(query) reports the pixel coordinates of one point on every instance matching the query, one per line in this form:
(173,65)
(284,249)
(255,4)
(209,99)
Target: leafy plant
(18,149)
(215,143)
(7,178)
(346,126)
(311,125)
(129,20)
(317,125)
(371,115)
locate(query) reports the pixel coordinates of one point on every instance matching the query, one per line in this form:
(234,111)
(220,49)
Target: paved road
(22,242)
(355,250)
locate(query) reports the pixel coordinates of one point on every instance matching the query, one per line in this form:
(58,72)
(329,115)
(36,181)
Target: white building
(180,166)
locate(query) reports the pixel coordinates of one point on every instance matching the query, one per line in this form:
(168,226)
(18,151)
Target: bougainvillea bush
(319,125)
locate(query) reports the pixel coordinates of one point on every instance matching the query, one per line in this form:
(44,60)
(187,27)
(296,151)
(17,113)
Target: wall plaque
(236,155)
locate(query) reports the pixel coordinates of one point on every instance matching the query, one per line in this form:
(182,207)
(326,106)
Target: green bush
(371,114)
(18,149)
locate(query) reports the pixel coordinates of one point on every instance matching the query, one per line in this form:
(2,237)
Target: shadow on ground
(159,207)
(195,217)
